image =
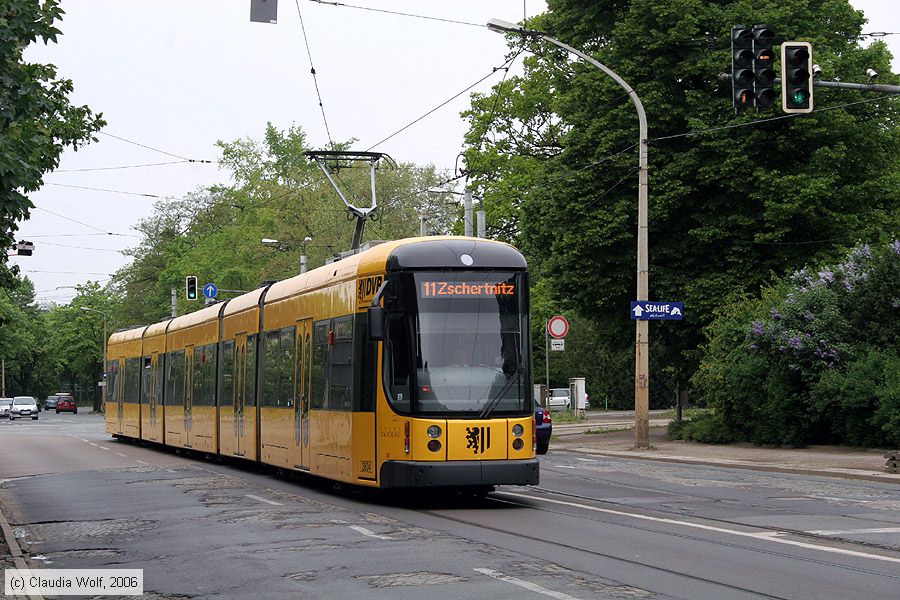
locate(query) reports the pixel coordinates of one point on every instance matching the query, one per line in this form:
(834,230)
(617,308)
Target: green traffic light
(798,98)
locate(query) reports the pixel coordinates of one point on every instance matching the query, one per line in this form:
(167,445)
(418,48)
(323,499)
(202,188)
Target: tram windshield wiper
(496,400)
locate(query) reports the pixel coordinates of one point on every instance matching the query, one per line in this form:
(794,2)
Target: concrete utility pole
(174,305)
(482,226)
(3,394)
(642,334)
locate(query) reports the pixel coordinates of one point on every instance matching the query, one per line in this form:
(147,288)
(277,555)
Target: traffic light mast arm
(863,87)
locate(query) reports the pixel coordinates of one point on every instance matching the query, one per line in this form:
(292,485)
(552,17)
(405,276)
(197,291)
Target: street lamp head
(269,242)
(501,26)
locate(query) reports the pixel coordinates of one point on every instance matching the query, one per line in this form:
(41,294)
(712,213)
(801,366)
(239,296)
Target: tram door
(154,392)
(300,447)
(188,394)
(120,399)
(240,396)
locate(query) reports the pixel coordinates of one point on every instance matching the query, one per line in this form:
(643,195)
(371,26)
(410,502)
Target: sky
(173,77)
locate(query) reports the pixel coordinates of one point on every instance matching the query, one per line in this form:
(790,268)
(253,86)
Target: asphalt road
(594,528)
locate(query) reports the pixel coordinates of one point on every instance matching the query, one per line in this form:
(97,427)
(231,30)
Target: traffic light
(24,248)
(763,66)
(796,77)
(742,74)
(190,287)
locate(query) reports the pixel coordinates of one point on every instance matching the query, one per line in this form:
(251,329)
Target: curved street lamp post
(642,334)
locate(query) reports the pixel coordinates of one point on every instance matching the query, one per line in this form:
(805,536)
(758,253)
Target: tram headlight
(518,430)
(434,445)
(434,431)
(518,443)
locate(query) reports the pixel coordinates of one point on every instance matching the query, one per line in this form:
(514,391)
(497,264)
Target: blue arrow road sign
(648,310)
(210,290)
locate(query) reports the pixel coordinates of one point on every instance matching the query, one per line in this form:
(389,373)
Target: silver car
(5,404)
(23,406)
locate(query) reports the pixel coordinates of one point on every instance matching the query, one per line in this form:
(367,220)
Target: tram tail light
(533,435)
(406,437)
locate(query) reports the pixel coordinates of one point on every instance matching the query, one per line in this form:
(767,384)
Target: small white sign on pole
(558,345)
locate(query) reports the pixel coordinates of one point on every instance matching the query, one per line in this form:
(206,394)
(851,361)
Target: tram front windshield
(456,344)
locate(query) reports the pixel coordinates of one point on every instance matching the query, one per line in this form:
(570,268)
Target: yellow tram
(406,364)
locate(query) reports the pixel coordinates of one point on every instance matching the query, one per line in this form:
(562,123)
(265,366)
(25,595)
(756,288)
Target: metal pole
(642,332)
(4,376)
(103,372)
(303,263)
(467,213)
(174,308)
(481,224)
(423,231)
(547,356)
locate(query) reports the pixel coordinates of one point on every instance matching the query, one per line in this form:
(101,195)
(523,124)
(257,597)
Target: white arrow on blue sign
(648,310)
(210,290)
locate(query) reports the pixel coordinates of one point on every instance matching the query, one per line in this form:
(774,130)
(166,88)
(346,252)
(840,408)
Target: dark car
(50,402)
(543,429)
(66,404)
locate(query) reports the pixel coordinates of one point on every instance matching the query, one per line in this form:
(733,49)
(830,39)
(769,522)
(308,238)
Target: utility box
(540,394)
(577,394)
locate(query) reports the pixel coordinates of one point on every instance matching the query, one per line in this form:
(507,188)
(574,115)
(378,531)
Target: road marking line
(272,502)
(848,531)
(525,584)
(587,460)
(93,444)
(762,535)
(84,440)
(103,448)
(122,455)
(142,462)
(369,532)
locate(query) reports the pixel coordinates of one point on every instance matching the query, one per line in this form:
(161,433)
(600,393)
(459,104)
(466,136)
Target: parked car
(50,402)
(543,429)
(23,406)
(5,404)
(558,399)
(66,403)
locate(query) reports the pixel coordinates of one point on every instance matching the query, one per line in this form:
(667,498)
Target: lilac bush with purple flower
(816,359)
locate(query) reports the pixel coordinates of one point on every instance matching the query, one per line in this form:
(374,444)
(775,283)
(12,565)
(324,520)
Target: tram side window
(250,377)
(132,380)
(160,378)
(397,357)
(204,368)
(226,397)
(317,373)
(365,365)
(112,381)
(175,378)
(341,364)
(271,368)
(145,380)
(288,353)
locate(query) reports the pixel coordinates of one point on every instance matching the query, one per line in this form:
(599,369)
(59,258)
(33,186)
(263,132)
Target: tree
(37,120)
(277,193)
(729,209)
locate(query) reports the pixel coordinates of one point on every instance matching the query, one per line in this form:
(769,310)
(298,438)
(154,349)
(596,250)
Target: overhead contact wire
(312,70)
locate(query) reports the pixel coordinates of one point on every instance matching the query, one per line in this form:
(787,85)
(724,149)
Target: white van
(558,399)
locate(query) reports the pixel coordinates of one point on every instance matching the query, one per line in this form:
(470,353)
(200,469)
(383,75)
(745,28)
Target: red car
(66,404)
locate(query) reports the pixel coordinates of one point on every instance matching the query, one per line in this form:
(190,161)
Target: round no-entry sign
(558,327)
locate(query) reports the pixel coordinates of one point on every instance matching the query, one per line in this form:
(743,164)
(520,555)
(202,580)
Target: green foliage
(553,153)
(706,428)
(36,119)
(815,359)
(277,193)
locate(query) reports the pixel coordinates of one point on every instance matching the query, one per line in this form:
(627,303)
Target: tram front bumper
(400,474)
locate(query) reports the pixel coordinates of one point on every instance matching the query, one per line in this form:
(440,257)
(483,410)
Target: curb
(835,473)
(18,558)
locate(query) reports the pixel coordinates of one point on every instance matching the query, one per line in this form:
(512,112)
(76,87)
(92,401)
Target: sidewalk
(826,461)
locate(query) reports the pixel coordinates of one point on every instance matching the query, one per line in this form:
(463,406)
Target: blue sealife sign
(650,310)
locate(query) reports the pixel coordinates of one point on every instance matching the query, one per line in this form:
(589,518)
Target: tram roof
(204,315)
(157,328)
(244,302)
(129,335)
